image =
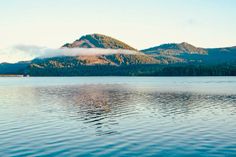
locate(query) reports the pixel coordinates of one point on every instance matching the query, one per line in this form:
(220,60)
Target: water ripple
(117,119)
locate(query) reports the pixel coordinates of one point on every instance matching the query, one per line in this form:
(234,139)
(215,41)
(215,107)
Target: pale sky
(140,23)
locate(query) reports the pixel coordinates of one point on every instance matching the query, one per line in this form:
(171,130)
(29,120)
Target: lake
(118,116)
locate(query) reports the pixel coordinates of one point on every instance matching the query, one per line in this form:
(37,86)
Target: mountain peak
(98,41)
(186,47)
(174,48)
(185,44)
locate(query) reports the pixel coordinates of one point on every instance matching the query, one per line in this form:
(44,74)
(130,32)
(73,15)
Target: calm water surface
(118,116)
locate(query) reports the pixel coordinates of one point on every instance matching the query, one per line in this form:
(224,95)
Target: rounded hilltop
(175,48)
(98,41)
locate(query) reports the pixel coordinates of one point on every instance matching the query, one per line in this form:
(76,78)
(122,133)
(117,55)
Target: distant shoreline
(3,75)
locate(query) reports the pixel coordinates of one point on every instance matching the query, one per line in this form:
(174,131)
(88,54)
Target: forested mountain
(186,53)
(175,49)
(98,41)
(165,60)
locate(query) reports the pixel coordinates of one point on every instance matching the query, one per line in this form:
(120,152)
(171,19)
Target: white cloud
(26,52)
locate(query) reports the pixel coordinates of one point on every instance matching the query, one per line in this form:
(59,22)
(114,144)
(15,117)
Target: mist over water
(118,116)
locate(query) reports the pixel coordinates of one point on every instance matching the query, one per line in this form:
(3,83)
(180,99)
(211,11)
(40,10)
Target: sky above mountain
(140,23)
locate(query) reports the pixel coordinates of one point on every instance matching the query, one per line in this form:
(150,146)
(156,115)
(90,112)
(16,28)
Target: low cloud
(26,52)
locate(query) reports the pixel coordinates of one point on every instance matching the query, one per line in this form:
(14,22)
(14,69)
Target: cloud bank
(26,52)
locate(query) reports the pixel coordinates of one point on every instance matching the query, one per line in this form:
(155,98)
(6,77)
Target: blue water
(118,116)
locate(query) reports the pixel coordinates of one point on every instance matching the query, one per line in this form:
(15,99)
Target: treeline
(13,69)
(136,70)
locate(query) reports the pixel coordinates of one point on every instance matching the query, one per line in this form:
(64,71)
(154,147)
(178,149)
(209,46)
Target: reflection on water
(117,118)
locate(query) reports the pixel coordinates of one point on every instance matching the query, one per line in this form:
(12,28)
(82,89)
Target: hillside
(113,60)
(98,41)
(165,60)
(17,68)
(175,49)
(187,53)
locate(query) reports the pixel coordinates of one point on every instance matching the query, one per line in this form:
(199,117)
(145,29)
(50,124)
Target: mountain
(181,59)
(114,60)
(71,66)
(94,41)
(116,64)
(187,53)
(98,41)
(174,49)
(76,64)
(225,55)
